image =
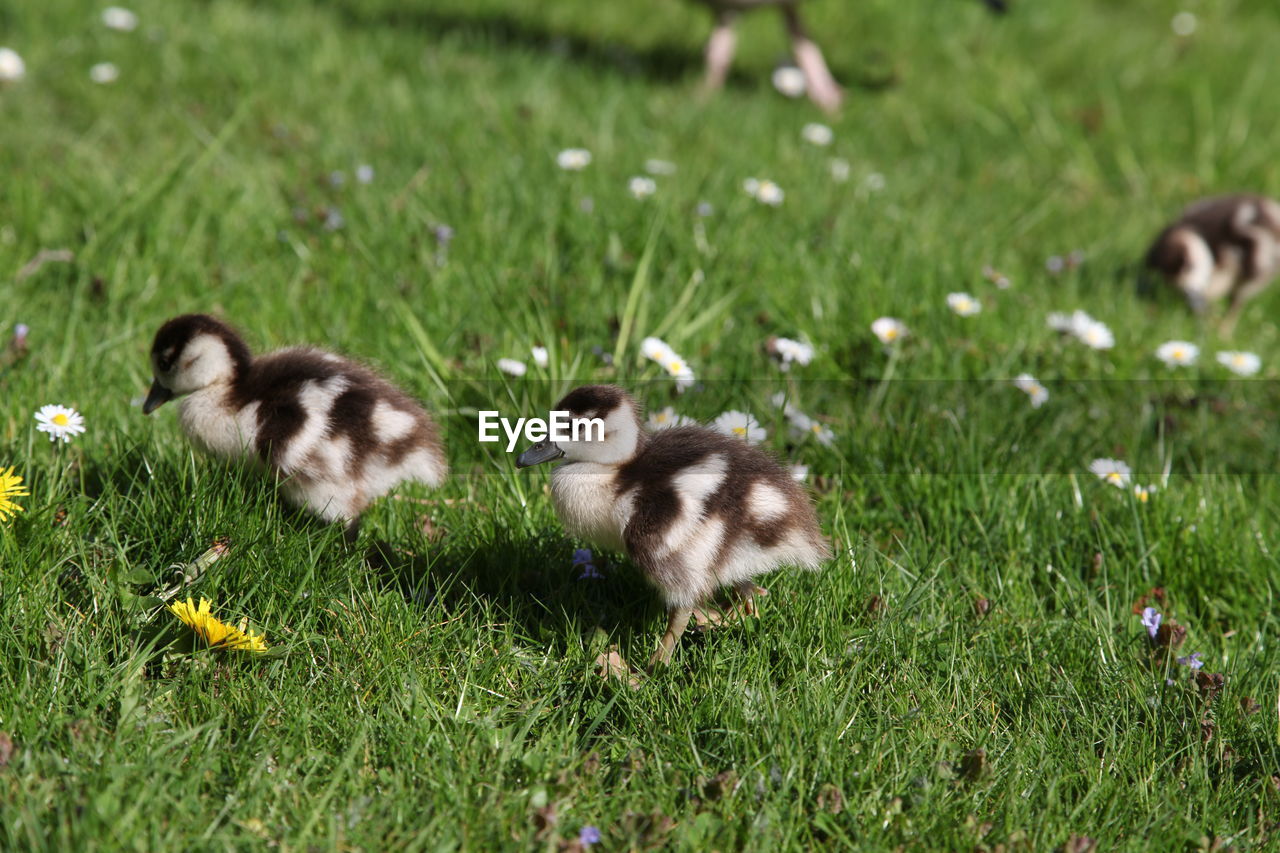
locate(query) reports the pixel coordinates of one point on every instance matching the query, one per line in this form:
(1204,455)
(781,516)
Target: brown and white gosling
(336,435)
(694,509)
(1218,247)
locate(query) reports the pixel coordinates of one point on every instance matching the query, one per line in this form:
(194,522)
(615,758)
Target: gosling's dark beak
(543,451)
(156,397)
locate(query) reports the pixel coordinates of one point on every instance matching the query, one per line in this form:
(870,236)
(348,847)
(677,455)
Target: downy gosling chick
(1219,247)
(336,435)
(694,509)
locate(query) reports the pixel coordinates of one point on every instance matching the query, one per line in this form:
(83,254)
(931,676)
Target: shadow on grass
(530,582)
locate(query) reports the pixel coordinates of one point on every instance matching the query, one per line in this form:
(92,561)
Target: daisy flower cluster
(1028,384)
(801,424)
(1116,473)
(787,352)
(964,304)
(656,349)
(1079,325)
(764,191)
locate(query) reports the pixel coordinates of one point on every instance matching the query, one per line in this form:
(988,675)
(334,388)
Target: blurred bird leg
(822,87)
(720,51)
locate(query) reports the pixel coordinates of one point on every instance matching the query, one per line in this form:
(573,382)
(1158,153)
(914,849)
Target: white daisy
(1096,335)
(1027,383)
(1241,363)
(888,329)
(780,400)
(839,170)
(60,422)
(799,472)
(641,187)
(787,351)
(740,424)
(817,134)
(573,159)
(667,418)
(12,67)
(1111,471)
(659,167)
(963,304)
(115,18)
(104,73)
(1144,493)
(823,434)
(1060,322)
(540,356)
(678,369)
(511,367)
(1184,24)
(789,80)
(769,193)
(1091,332)
(1178,353)
(656,349)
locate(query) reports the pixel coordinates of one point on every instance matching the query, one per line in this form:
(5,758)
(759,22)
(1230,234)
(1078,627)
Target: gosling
(336,435)
(1225,246)
(694,509)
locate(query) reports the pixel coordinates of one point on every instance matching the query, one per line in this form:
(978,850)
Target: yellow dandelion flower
(10,488)
(217,634)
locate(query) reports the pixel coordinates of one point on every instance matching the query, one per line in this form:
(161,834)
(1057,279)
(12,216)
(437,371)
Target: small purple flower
(1055,264)
(20,335)
(590,573)
(444,235)
(581,556)
(337,179)
(364,173)
(705,209)
(1192,660)
(588,836)
(1151,621)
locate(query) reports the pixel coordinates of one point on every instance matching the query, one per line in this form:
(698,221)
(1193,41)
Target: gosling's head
(604,428)
(192,352)
(1185,261)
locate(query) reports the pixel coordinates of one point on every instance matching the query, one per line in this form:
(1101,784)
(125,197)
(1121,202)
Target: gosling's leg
(351,532)
(677,621)
(823,88)
(746,593)
(719,52)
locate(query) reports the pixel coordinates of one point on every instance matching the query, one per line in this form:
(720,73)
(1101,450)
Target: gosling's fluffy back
(337,433)
(709,510)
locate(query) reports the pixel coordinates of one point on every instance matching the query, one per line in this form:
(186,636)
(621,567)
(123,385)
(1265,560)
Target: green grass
(445,698)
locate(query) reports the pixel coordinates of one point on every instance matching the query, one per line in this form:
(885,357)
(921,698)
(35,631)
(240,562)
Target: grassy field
(970,672)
